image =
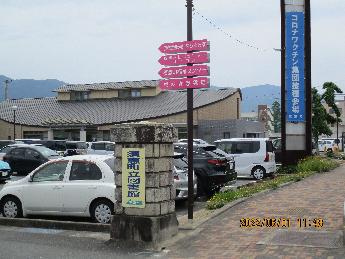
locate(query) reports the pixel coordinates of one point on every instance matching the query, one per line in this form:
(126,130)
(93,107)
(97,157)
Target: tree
(321,118)
(276,113)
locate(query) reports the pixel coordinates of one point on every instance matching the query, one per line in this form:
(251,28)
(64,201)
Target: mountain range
(252,96)
(28,88)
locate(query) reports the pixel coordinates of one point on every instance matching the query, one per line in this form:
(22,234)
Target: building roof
(106,86)
(49,111)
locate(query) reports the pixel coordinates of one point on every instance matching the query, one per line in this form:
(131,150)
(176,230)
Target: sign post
(190,122)
(183,75)
(296,80)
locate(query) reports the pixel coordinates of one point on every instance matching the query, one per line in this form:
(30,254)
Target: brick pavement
(321,196)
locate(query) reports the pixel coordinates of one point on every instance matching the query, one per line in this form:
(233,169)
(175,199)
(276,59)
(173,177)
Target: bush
(304,168)
(290,169)
(316,164)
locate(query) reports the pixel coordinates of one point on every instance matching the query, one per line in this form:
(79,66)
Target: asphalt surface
(47,243)
(26,243)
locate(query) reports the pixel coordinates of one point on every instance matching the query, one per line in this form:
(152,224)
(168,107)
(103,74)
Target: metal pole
(14,124)
(190,118)
(337,132)
(282,78)
(307,36)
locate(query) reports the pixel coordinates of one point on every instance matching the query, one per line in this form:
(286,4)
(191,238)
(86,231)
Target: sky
(86,41)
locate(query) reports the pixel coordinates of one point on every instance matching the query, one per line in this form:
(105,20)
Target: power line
(241,42)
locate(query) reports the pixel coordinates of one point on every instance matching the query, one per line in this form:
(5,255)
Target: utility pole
(7,81)
(190,123)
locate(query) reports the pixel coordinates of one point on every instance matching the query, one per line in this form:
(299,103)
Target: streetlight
(14,108)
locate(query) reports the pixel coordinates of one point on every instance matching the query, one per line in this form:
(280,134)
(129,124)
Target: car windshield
(46,151)
(180,163)
(76,145)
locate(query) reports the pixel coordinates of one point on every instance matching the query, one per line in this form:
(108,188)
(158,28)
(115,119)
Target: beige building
(88,111)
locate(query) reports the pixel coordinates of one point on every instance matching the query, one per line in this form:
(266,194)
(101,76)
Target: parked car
(213,171)
(59,146)
(75,148)
(4,143)
(6,149)
(330,145)
(101,148)
(25,158)
(180,173)
(320,145)
(29,140)
(81,186)
(253,156)
(195,141)
(5,171)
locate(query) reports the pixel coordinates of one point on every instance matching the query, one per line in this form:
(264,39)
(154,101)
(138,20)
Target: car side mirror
(31,178)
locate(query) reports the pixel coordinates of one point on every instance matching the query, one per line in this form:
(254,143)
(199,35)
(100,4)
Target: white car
(81,186)
(101,148)
(195,141)
(254,157)
(180,173)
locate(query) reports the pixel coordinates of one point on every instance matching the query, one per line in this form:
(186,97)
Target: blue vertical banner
(294,67)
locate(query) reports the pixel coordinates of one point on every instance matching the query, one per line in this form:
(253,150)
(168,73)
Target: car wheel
(11,207)
(101,211)
(258,172)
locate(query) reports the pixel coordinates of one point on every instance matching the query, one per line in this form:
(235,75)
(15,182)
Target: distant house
(88,111)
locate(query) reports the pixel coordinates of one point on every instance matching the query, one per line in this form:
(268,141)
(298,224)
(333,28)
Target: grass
(304,168)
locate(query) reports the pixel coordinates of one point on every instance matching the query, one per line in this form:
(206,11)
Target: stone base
(141,231)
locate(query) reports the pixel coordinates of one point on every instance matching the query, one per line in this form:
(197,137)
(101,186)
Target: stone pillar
(82,134)
(157,221)
(50,134)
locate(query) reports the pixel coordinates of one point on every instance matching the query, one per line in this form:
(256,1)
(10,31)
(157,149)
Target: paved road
(44,243)
(319,196)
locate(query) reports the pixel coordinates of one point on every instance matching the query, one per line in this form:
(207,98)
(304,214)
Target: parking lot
(181,206)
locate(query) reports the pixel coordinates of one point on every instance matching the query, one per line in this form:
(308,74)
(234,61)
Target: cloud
(111,40)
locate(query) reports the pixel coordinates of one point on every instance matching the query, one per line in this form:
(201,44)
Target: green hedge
(304,168)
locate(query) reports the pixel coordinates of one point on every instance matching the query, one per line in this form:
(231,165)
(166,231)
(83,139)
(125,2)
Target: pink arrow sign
(184,59)
(185,46)
(178,84)
(176,72)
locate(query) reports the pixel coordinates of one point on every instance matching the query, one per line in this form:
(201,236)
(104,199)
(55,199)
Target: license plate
(4,174)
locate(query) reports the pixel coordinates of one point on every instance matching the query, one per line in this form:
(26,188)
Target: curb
(55,224)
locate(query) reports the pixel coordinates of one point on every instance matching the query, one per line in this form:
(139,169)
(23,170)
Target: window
(182,133)
(84,170)
(32,154)
(180,163)
(6,149)
(269,146)
(240,147)
(111,163)
(18,152)
(46,151)
(124,93)
(109,147)
(106,135)
(97,146)
(136,93)
(79,95)
(51,172)
(226,134)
